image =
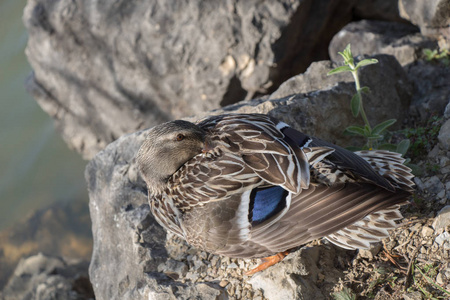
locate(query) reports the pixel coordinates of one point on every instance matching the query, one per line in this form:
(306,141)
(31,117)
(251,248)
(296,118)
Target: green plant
(439,55)
(373,135)
(345,294)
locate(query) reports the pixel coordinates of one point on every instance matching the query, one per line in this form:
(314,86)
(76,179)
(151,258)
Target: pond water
(36,166)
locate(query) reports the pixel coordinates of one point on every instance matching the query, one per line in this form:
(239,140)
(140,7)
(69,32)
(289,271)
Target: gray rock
(427,231)
(433,185)
(103,69)
(431,88)
(379,37)
(443,239)
(428,15)
(281,282)
(442,219)
(419,183)
(444,135)
(447,111)
(413,296)
(42,277)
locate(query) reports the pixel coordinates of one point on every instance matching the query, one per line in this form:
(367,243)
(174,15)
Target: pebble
(413,296)
(232,266)
(443,238)
(444,161)
(419,183)
(223,283)
(439,279)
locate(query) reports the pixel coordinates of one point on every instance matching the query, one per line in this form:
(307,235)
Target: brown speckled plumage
(247,185)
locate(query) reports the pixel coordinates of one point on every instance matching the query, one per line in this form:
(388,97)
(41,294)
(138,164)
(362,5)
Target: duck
(251,186)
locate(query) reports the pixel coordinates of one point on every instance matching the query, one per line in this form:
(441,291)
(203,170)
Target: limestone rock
(429,15)
(103,69)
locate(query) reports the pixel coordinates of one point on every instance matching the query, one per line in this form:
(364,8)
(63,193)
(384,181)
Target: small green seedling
(439,55)
(374,134)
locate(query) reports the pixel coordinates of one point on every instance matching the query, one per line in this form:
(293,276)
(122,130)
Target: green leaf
(389,147)
(365,90)
(375,136)
(339,70)
(355,130)
(403,146)
(345,294)
(355,104)
(416,170)
(366,62)
(347,55)
(367,131)
(383,125)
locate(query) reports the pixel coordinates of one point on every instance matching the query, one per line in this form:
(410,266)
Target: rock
(59,229)
(442,219)
(419,183)
(175,60)
(447,111)
(369,37)
(432,16)
(413,296)
(444,135)
(427,231)
(433,185)
(297,276)
(443,240)
(49,278)
(431,88)
(439,279)
(370,253)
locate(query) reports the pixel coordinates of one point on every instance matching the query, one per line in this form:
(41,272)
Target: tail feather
(374,227)
(390,166)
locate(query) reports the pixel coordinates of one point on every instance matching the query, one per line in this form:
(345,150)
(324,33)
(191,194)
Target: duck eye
(180,137)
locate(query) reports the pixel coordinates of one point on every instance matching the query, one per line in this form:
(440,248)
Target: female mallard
(248,185)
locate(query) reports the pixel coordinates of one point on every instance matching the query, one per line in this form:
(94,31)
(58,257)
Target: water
(36,166)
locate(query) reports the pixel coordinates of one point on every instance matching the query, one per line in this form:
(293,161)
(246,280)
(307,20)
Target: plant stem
(361,107)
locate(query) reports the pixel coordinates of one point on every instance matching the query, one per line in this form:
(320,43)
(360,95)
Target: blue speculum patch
(267,202)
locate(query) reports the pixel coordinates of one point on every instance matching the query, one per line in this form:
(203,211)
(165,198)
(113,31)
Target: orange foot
(267,262)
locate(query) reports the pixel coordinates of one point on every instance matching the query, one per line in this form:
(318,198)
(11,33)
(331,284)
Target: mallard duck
(250,186)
